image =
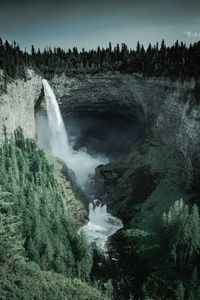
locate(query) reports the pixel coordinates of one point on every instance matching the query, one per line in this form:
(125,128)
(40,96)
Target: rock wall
(17,103)
(170,109)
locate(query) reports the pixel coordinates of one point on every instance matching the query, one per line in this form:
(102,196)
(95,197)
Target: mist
(60,142)
(53,137)
(107,134)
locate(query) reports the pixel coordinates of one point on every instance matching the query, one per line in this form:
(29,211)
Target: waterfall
(80,162)
(59,145)
(52,135)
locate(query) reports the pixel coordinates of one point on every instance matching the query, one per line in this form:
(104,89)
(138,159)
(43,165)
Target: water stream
(53,135)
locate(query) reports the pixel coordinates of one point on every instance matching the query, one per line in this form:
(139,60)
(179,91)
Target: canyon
(167,110)
(148,127)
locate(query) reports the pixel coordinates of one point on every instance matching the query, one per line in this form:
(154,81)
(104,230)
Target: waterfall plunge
(80,162)
(101,224)
(58,140)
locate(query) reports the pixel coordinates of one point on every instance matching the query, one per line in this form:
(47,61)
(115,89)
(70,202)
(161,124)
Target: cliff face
(17,104)
(169,109)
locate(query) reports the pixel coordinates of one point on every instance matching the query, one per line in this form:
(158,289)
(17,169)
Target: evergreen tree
(10,239)
(177,60)
(182,232)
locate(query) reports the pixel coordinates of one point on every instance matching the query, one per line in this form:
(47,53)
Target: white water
(101,224)
(80,162)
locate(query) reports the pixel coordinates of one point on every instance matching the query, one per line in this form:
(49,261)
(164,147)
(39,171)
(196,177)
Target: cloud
(192,35)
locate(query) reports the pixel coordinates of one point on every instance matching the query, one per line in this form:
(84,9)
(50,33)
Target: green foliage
(181,231)
(180,291)
(163,264)
(147,187)
(140,242)
(49,234)
(38,239)
(177,60)
(109,289)
(26,281)
(10,239)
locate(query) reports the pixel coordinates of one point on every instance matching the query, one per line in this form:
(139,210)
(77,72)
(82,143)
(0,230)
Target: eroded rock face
(170,109)
(17,104)
(101,93)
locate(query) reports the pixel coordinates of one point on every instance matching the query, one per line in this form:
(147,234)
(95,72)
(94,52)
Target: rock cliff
(17,102)
(169,109)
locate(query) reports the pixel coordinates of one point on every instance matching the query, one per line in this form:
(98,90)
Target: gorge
(101,225)
(159,104)
(142,136)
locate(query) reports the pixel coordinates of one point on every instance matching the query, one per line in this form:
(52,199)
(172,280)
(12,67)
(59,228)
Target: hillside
(39,238)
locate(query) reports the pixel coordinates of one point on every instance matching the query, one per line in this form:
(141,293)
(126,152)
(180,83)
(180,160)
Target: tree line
(156,60)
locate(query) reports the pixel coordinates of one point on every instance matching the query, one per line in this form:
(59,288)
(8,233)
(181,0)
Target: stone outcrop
(17,102)
(169,109)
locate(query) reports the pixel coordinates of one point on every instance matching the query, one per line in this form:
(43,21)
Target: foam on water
(101,225)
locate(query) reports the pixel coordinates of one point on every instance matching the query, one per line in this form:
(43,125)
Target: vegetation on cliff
(157,251)
(164,263)
(38,237)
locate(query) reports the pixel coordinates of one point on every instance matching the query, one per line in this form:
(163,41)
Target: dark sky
(89,23)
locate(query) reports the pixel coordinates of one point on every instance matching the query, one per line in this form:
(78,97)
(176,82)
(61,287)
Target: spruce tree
(10,239)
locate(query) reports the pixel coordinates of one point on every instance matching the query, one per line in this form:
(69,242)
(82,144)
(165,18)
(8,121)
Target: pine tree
(180,291)
(10,239)
(182,232)
(194,231)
